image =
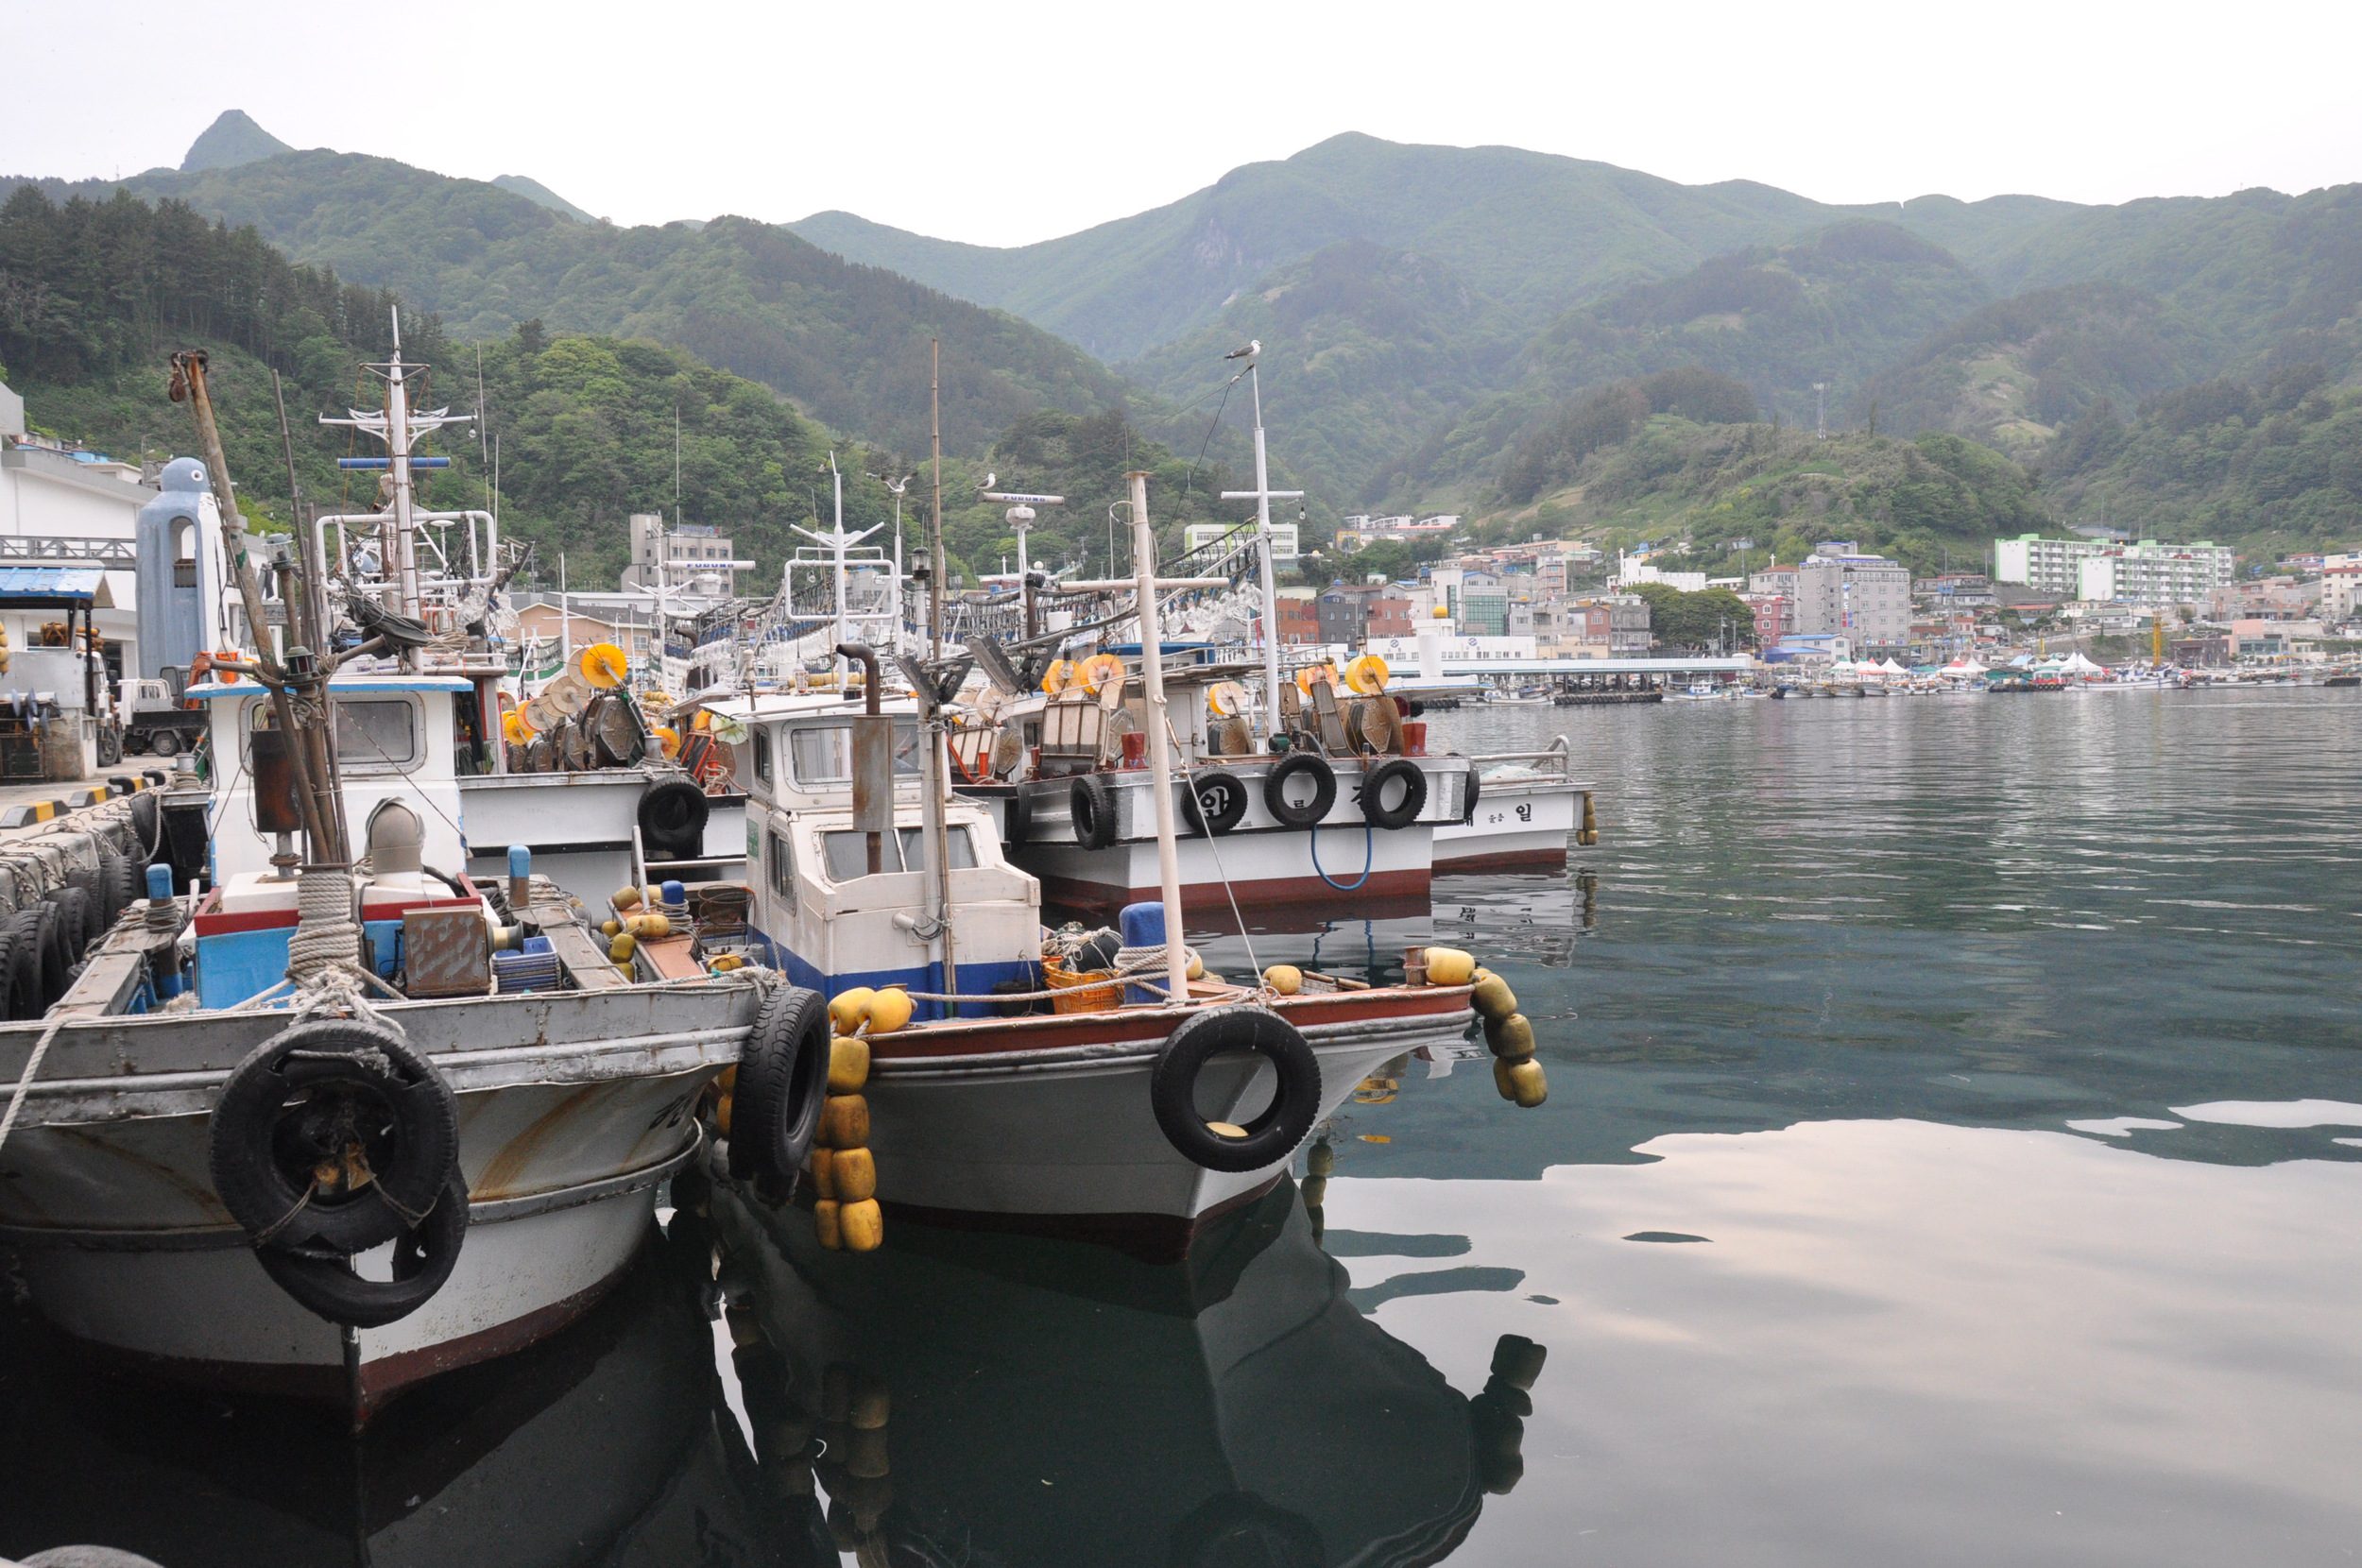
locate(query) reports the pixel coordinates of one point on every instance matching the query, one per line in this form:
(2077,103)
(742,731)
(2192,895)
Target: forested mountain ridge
(94,295)
(847,342)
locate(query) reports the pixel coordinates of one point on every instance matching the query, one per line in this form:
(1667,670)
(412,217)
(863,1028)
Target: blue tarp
(51,584)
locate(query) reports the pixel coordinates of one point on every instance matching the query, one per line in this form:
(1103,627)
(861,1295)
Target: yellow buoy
(844,1122)
(889,1011)
(1501,1080)
(824,1171)
(863,1225)
(1286,978)
(1196,969)
(610,928)
(856,1172)
(848,1064)
(826,1219)
(1367,674)
(1449,966)
(602,665)
(1511,1038)
(847,1008)
(645,927)
(623,947)
(722,1114)
(626,898)
(1527,1084)
(1492,998)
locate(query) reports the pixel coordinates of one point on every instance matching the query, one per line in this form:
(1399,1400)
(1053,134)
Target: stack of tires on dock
(62,889)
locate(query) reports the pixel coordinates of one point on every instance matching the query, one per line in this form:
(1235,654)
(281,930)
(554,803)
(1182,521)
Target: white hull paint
(106,1191)
(1516,822)
(579,827)
(1067,1133)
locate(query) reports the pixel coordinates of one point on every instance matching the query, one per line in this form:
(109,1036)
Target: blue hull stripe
(974,978)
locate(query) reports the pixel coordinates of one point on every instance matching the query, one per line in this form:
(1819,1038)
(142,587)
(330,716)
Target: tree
(1698,619)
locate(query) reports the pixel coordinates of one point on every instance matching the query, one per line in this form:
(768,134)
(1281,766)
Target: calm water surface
(1953,1156)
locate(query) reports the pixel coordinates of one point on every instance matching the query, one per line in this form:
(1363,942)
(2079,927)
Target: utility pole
(1263,495)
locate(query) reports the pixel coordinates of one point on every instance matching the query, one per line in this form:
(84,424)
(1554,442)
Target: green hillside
(2274,465)
(541,196)
(847,343)
(1932,501)
(232,139)
(95,296)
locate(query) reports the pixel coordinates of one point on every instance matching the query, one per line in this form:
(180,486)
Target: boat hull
(573,1109)
(1051,1132)
(1519,826)
(580,828)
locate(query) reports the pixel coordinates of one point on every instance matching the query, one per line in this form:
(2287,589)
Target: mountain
(232,139)
(541,196)
(94,295)
(848,342)
(2012,373)
(1529,231)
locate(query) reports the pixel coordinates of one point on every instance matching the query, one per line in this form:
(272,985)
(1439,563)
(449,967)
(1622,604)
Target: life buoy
(1093,800)
(1218,1030)
(1289,814)
(1214,801)
(782,1081)
(672,820)
(422,1261)
(1375,783)
(329,1094)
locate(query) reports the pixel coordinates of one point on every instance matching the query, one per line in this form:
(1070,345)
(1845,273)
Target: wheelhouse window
(763,754)
(823,754)
(376,733)
(848,851)
(783,869)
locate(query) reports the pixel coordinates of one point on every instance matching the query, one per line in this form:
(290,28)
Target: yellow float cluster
(1507,1032)
(843,1172)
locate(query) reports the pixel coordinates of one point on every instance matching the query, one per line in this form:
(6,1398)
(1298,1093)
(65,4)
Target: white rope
(32,1070)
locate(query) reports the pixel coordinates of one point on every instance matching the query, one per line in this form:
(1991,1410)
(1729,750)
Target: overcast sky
(1010,122)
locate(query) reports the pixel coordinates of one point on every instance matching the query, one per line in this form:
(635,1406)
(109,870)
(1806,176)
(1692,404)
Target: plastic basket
(1088,991)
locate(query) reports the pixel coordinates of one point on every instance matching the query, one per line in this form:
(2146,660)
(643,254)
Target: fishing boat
(1025,1085)
(1529,808)
(321,1115)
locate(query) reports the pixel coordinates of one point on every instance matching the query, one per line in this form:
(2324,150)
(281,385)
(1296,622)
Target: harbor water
(1951,1155)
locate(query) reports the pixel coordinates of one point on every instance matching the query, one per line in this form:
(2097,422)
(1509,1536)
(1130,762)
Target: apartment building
(2145,573)
(1865,599)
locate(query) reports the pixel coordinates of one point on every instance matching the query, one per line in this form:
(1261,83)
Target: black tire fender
(672,820)
(1273,1135)
(386,1095)
(26,974)
(1474,788)
(1214,801)
(146,828)
(1092,799)
(1286,812)
(1374,784)
(782,1081)
(74,924)
(326,1286)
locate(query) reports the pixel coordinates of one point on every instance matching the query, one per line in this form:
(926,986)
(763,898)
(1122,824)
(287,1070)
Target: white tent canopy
(1963,667)
(2076,664)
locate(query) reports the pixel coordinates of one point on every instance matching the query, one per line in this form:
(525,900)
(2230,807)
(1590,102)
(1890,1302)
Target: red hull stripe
(1528,859)
(1269,892)
(1050,1032)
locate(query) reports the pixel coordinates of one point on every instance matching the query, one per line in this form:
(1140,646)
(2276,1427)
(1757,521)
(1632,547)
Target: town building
(1955,591)
(1775,616)
(1362,529)
(695,556)
(2342,586)
(1865,599)
(2145,573)
(63,506)
(1299,617)
(1286,540)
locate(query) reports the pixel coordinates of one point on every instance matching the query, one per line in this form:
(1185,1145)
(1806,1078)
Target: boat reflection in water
(609,1442)
(997,1400)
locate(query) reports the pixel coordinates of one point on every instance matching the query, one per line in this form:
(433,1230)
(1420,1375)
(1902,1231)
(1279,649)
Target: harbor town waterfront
(1954,1175)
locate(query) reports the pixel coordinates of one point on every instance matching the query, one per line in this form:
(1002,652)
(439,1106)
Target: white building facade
(1864,599)
(2142,572)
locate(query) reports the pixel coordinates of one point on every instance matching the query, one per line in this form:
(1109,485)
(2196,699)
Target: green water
(1953,1156)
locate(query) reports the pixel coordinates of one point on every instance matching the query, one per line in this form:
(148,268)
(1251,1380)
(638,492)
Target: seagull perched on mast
(1254,347)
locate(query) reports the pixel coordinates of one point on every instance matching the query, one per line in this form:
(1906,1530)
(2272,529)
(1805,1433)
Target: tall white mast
(838,541)
(1263,495)
(1159,749)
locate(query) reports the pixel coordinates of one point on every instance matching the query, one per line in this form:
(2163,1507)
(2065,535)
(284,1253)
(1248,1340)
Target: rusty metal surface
(873,772)
(446,952)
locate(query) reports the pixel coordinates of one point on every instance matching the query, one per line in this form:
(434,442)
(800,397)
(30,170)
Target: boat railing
(1550,763)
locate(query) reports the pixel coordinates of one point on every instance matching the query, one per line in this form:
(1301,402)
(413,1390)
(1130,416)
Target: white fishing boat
(1143,1102)
(1528,810)
(330,1118)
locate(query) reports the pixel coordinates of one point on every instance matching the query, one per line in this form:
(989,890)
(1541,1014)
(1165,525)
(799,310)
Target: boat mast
(938,779)
(1263,495)
(1159,751)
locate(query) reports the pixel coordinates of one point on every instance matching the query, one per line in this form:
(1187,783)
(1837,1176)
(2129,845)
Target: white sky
(1007,122)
